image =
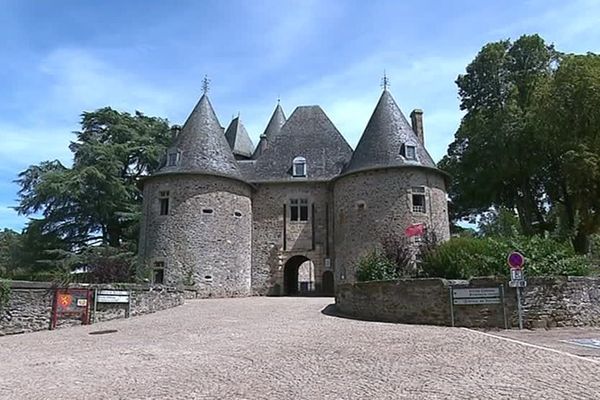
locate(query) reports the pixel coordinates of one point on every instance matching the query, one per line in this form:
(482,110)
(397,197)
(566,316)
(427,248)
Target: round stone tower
(197,214)
(390,183)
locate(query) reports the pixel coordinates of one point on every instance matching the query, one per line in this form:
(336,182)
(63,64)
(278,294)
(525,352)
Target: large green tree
(528,140)
(96,200)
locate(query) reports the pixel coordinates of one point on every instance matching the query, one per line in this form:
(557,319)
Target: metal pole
(504,307)
(451,306)
(95,302)
(520,310)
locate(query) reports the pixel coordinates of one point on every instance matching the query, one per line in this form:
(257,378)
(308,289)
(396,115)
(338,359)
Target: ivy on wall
(4,293)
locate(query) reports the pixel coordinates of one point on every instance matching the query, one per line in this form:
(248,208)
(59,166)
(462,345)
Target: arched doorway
(298,276)
(328,286)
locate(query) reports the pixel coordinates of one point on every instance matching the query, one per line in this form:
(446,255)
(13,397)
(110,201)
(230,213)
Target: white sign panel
(112,299)
(516,274)
(113,292)
(517,283)
(475,292)
(481,300)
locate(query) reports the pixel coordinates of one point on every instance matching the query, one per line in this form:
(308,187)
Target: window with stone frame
(173,159)
(163,199)
(418,199)
(299,209)
(158,273)
(299,167)
(408,151)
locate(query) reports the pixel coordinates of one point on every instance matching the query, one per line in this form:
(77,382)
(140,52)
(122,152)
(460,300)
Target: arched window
(299,166)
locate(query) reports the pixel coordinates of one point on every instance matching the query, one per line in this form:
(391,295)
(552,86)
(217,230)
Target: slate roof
(308,133)
(238,139)
(202,145)
(273,128)
(382,139)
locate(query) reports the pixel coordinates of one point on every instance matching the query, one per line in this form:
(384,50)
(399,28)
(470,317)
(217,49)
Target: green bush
(464,257)
(375,266)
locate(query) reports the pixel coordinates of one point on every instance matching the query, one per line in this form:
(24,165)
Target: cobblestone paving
(281,348)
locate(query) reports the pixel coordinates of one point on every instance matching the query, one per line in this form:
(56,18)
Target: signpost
(70,303)
(112,296)
(477,296)
(516,261)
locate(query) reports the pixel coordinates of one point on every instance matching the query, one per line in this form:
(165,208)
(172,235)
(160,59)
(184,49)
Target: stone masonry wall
(547,302)
(371,204)
(268,254)
(30,306)
(205,240)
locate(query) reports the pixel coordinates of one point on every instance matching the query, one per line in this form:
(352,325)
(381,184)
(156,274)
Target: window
(158,273)
(299,209)
(238,214)
(172,159)
(163,198)
(408,151)
(207,211)
(299,166)
(361,205)
(418,200)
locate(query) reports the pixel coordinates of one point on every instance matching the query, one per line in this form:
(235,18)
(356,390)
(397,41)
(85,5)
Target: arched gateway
(298,276)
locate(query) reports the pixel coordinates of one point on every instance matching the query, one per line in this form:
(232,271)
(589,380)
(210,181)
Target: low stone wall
(30,305)
(547,302)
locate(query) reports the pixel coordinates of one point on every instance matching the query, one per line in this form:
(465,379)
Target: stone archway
(298,276)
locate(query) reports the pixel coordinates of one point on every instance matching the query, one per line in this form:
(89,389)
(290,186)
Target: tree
(567,121)
(494,157)
(97,200)
(9,251)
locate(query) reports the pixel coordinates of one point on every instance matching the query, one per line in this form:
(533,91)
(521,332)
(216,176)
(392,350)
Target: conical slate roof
(238,139)
(202,145)
(381,144)
(273,128)
(308,133)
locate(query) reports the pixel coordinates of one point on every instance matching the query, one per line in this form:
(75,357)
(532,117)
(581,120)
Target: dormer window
(408,151)
(173,159)
(299,167)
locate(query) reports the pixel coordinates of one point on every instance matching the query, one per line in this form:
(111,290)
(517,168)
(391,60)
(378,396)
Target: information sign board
(481,300)
(476,292)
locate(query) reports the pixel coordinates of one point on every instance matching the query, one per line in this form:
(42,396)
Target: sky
(60,58)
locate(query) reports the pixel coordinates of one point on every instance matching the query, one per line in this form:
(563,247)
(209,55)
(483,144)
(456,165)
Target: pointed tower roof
(382,143)
(273,128)
(239,141)
(202,146)
(309,134)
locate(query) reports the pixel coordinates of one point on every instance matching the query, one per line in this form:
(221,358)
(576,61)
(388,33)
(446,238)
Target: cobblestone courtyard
(283,348)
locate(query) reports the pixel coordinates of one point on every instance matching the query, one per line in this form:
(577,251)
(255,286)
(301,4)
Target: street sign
(476,292)
(112,299)
(517,284)
(516,260)
(516,274)
(482,300)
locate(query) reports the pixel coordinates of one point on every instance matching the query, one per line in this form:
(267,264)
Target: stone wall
(547,302)
(30,305)
(375,203)
(205,240)
(269,255)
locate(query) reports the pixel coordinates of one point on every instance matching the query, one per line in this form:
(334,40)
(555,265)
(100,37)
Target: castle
(293,215)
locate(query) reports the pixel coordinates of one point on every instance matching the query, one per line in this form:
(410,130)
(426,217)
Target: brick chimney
(416,118)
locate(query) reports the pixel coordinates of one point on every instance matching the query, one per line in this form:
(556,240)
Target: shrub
(466,257)
(375,266)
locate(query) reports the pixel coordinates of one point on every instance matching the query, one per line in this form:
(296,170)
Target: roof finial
(278,99)
(205,85)
(385,81)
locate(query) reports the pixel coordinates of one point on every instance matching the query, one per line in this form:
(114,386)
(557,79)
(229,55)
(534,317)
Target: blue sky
(59,58)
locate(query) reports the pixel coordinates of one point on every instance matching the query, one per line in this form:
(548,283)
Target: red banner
(415,230)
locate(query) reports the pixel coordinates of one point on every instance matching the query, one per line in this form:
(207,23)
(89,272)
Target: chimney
(175,129)
(263,143)
(416,118)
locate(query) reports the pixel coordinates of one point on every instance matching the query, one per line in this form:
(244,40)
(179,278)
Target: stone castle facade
(293,214)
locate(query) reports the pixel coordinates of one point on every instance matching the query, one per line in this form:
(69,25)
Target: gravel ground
(282,348)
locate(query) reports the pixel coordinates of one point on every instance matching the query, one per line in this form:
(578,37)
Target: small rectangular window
(173,158)
(158,273)
(163,198)
(418,200)
(411,153)
(299,209)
